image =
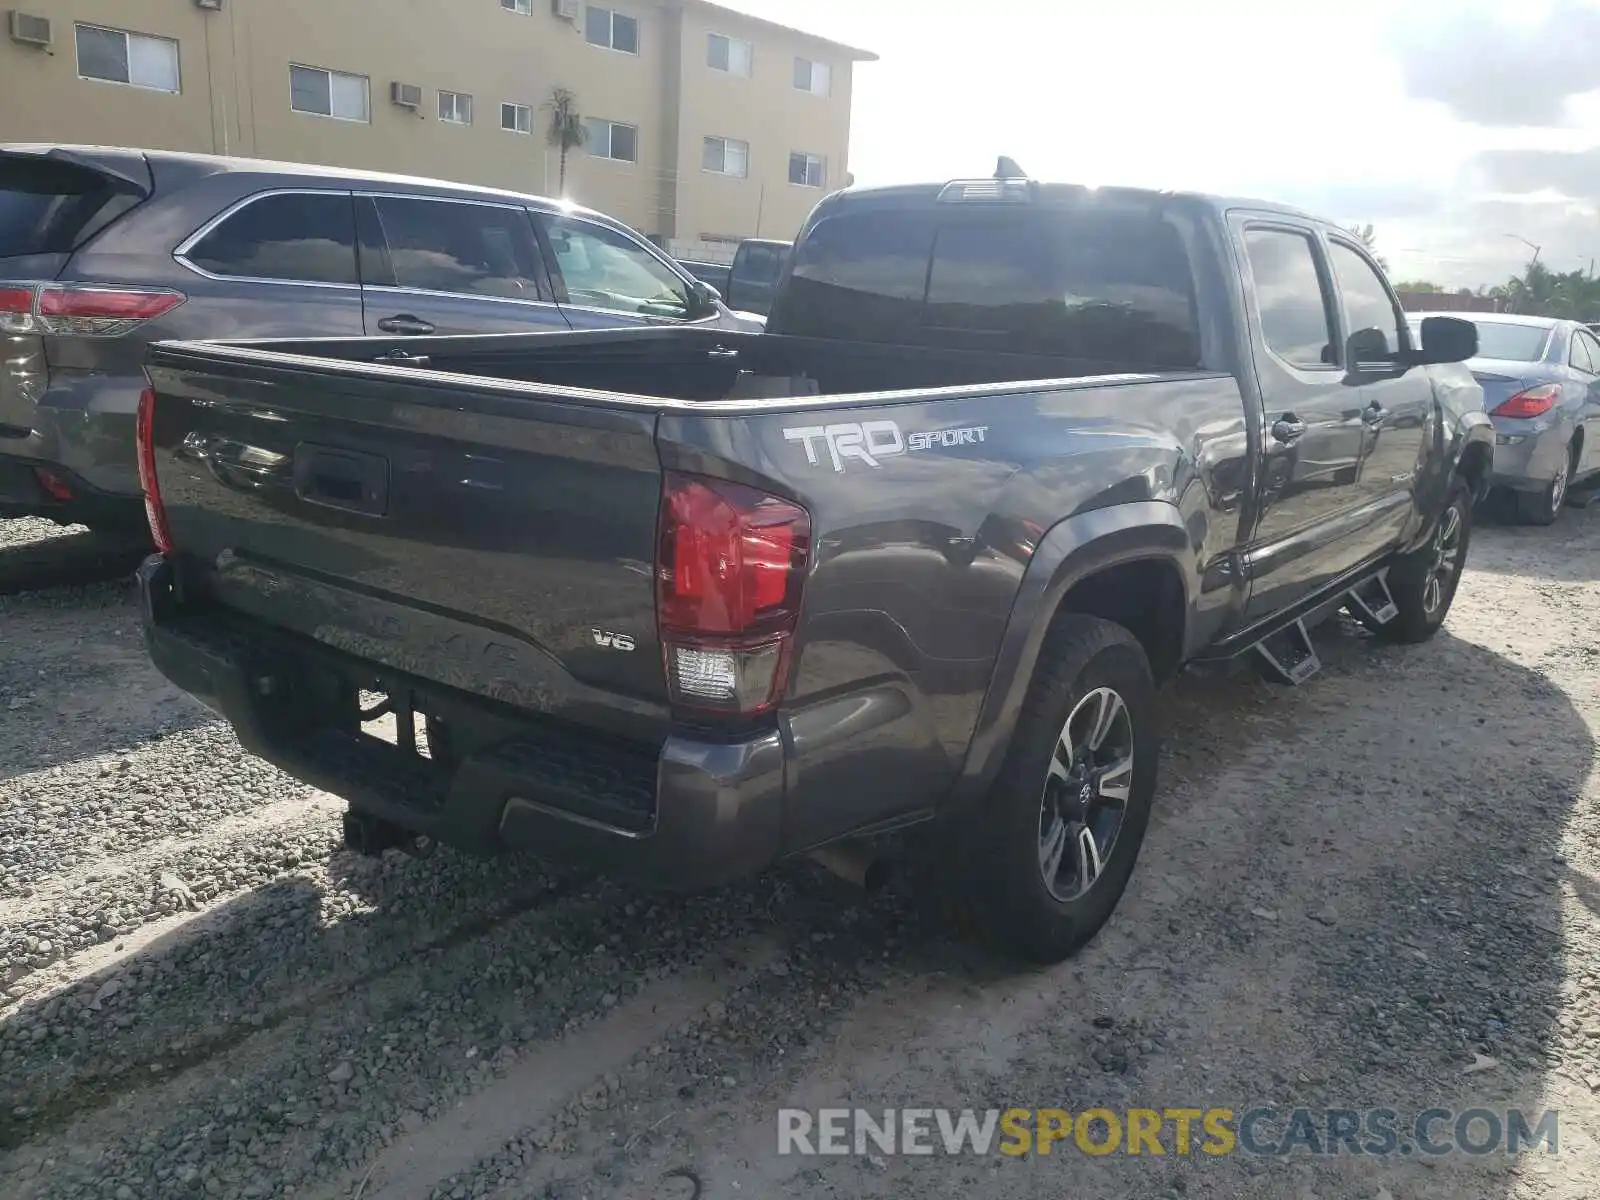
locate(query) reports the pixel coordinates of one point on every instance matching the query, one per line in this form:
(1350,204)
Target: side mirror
(706,296)
(1446,340)
(1368,350)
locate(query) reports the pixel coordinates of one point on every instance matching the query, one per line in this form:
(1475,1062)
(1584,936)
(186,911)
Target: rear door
(604,279)
(1397,404)
(439,265)
(1309,524)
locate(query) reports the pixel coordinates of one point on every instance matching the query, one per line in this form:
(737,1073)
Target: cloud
(1491,71)
(1363,202)
(1571,173)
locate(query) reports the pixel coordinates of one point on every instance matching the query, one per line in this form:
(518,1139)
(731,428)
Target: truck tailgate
(459,533)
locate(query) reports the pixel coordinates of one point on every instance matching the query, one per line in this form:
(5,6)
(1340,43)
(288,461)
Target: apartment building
(702,125)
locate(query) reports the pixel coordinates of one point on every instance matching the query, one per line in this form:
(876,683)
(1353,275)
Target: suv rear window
(45,205)
(1104,280)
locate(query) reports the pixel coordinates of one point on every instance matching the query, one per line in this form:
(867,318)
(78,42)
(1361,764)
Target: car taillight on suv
(67,309)
(730,568)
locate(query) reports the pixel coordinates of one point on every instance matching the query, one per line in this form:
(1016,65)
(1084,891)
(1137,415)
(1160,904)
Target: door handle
(1374,413)
(407,324)
(1288,429)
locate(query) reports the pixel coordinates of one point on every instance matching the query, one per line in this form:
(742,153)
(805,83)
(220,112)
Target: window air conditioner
(29,29)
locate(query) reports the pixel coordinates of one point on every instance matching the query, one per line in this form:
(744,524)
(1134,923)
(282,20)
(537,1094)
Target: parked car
(103,251)
(714,274)
(1541,383)
(920,553)
(753,279)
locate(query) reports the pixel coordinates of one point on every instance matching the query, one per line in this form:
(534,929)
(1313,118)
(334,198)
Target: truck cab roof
(1044,194)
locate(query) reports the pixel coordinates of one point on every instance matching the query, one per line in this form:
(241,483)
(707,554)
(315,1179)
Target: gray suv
(103,251)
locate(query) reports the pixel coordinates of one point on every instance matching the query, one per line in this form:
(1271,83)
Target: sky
(1464,131)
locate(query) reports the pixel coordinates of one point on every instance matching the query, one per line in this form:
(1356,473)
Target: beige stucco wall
(766,111)
(235,98)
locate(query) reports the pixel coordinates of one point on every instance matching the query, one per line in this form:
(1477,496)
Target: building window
(516,118)
(113,56)
(729,54)
(609,139)
(808,170)
(328,93)
(813,77)
(613,30)
(725,156)
(523,8)
(455,108)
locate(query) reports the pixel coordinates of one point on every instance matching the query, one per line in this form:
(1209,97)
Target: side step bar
(1287,655)
(1370,601)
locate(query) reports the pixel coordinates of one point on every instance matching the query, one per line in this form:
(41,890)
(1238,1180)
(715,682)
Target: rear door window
(1100,281)
(469,249)
(291,237)
(45,206)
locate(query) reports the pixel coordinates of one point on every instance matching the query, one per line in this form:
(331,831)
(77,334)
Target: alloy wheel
(1085,795)
(1446,559)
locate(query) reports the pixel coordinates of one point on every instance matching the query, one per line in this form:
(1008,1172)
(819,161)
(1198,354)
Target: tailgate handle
(346,479)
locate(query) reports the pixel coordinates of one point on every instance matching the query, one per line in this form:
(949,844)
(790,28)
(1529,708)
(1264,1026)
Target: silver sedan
(1541,388)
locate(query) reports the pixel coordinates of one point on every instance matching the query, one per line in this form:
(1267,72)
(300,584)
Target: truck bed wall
(692,364)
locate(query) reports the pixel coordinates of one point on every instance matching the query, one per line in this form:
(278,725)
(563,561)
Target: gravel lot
(1352,893)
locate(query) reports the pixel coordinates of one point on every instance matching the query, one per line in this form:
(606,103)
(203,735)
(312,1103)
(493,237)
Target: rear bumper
(1528,453)
(82,431)
(693,815)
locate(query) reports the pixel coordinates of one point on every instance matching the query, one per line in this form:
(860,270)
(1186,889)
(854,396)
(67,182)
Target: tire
(1543,507)
(1438,561)
(1092,676)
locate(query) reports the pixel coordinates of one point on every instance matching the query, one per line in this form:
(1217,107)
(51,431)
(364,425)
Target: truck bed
(480,526)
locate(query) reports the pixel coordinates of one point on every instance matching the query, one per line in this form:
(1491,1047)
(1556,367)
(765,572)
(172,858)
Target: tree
(1541,292)
(566,132)
(1416,285)
(1370,241)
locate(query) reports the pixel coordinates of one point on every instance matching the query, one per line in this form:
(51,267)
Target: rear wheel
(1423,583)
(1041,866)
(1543,507)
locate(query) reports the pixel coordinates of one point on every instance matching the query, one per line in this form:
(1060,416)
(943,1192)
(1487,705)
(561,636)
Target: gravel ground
(1380,890)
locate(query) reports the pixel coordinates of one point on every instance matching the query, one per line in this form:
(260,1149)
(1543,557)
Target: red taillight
(101,311)
(145,437)
(1530,402)
(16,308)
(57,488)
(730,567)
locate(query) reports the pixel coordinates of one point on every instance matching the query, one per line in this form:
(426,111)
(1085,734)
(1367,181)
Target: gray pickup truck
(681,603)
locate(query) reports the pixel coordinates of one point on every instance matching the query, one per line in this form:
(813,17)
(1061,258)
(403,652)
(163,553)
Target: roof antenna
(1007,169)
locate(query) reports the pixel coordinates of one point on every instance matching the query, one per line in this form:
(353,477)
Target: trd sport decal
(869,442)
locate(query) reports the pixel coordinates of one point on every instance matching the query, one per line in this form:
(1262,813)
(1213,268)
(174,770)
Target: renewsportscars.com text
(1262,1130)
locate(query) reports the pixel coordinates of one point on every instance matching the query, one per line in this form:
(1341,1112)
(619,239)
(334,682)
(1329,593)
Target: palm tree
(567,131)
(1368,239)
